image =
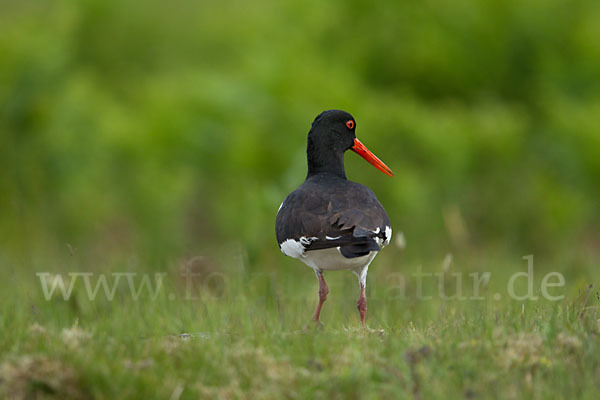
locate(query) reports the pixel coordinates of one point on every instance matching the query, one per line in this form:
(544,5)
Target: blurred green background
(173,128)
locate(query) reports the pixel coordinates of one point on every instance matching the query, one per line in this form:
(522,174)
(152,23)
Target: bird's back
(328,211)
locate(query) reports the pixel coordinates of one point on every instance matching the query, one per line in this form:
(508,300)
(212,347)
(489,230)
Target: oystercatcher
(329,222)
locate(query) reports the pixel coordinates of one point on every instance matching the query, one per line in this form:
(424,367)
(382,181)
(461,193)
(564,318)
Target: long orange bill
(362,151)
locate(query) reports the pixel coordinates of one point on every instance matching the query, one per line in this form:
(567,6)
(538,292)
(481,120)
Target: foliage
(171,126)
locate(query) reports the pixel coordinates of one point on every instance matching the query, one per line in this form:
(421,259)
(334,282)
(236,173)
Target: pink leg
(323,291)
(361,304)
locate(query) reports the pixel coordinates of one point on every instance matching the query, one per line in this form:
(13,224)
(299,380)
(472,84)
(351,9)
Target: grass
(249,336)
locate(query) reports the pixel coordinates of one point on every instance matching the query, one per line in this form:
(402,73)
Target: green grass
(250,337)
(137,130)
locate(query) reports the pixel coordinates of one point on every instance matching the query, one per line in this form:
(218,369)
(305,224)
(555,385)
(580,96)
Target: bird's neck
(325,162)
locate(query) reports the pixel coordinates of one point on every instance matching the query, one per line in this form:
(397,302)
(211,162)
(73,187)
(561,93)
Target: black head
(334,129)
(331,134)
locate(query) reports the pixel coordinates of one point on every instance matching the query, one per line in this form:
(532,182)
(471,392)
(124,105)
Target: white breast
(331,260)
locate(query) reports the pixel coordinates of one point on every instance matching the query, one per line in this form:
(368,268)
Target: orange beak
(362,151)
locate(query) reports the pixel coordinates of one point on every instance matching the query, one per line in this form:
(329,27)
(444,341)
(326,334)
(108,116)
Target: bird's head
(332,133)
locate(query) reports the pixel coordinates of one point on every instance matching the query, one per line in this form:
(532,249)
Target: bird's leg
(323,291)
(361,304)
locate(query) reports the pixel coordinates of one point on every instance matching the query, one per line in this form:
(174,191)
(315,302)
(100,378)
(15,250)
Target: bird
(329,222)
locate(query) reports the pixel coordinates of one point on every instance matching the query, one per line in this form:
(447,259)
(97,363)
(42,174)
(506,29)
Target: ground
(249,335)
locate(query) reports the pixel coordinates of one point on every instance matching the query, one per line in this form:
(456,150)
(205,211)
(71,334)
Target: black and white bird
(328,222)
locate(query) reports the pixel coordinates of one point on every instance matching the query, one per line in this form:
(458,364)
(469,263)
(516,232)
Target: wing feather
(352,218)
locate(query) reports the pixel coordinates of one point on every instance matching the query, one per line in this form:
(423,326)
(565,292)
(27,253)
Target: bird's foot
(314,324)
(380,332)
(364,330)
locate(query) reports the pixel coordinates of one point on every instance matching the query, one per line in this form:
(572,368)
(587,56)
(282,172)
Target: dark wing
(346,215)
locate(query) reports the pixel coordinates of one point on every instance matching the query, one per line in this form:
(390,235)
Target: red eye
(350,124)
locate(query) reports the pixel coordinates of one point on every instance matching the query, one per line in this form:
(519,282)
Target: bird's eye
(350,124)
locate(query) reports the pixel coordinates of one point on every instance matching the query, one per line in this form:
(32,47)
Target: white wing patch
(296,248)
(292,248)
(388,235)
(332,238)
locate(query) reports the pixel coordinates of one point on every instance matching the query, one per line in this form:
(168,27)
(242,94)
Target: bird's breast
(331,260)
